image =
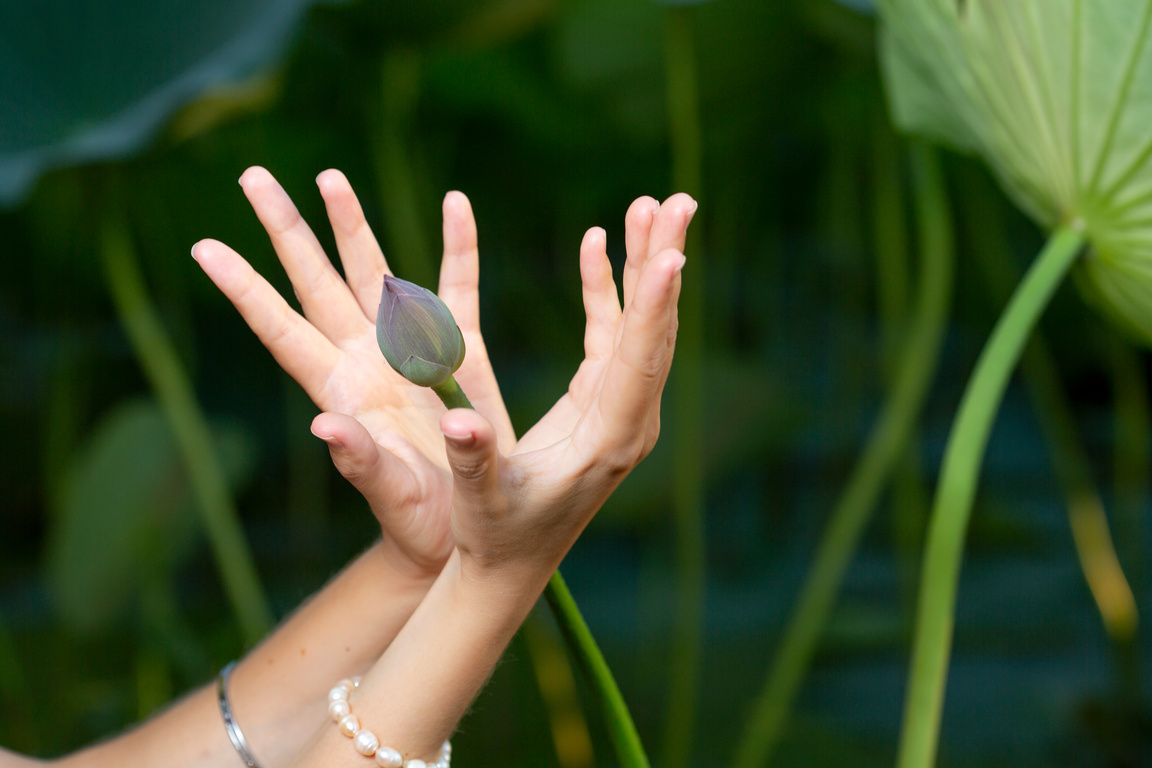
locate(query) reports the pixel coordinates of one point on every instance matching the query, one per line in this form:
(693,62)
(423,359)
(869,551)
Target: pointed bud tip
(417,333)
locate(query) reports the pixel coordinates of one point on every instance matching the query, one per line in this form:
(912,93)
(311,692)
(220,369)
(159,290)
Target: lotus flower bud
(417,334)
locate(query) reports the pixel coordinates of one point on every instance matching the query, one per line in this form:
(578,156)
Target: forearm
(277,688)
(421,687)
(12,760)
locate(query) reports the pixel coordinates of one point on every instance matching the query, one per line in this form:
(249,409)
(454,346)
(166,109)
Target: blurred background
(123,129)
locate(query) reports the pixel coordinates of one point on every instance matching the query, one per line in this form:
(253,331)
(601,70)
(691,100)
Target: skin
(474,522)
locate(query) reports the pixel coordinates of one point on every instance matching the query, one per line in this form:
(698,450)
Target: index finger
(302,351)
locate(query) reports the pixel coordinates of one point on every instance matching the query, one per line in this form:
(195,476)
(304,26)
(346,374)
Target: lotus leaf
(1056,96)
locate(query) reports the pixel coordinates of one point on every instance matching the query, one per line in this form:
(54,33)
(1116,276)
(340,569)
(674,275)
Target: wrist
(517,582)
(399,570)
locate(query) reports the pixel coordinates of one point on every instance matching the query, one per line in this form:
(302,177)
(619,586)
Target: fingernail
(333,443)
(194,253)
(460,441)
(692,212)
(680,266)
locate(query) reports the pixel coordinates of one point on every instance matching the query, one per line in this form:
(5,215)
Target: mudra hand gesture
(387,436)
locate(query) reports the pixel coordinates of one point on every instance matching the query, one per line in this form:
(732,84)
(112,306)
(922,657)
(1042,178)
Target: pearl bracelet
(365,741)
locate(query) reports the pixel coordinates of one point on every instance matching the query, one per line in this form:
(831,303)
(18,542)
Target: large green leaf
(125,514)
(1056,95)
(92,79)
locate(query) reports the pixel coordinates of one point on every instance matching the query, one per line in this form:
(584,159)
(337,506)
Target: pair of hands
(440,480)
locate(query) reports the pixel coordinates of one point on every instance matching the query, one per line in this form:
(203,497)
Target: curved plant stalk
(957,487)
(890,243)
(1090,532)
(886,443)
(617,718)
(687,391)
(166,374)
(1132,473)
(1132,466)
(558,689)
(621,729)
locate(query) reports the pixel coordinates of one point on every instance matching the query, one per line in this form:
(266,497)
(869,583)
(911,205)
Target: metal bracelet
(230,724)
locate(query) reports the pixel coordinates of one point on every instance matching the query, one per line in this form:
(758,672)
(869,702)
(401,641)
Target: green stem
(621,729)
(1070,463)
(886,443)
(908,497)
(1132,457)
(583,646)
(166,374)
(451,395)
(1132,454)
(956,489)
(687,392)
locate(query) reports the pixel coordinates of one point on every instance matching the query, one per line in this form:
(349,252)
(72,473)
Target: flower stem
(886,444)
(451,395)
(955,491)
(621,729)
(169,380)
(1070,463)
(582,645)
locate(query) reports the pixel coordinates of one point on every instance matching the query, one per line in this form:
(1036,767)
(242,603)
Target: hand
(527,508)
(382,431)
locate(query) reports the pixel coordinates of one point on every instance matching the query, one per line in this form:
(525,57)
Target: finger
(632,381)
(601,303)
(470,442)
(460,267)
(305,353)
(323,295)
(637,228)
(670,224)
(384,480)
(364,262)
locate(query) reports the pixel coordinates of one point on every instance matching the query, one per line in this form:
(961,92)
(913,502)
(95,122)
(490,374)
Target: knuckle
(470,470)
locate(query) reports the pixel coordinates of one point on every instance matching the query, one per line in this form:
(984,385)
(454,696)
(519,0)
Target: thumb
(371,469)
(470,442)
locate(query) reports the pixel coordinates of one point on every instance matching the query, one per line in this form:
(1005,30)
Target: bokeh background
(124,125)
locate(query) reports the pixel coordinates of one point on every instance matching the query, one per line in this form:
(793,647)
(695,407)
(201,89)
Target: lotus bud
(417,333)
(1055,96)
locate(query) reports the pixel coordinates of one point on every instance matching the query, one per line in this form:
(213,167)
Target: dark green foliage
(551,116)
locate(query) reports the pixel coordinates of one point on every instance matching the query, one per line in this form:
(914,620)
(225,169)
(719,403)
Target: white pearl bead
(338,708)
(356,681)
(349,725)
(389,758)
(446,748)
(347,684)
(415,764)
(339,693)
(366,743)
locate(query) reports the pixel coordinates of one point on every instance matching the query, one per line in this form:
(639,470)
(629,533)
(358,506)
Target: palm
(649,229)
(331,352)
(562,469)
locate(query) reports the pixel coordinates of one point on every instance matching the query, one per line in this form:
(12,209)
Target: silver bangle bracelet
(230,724)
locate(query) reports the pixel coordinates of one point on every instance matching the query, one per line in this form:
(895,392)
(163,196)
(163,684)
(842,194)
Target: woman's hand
(382,431)
(525,509)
